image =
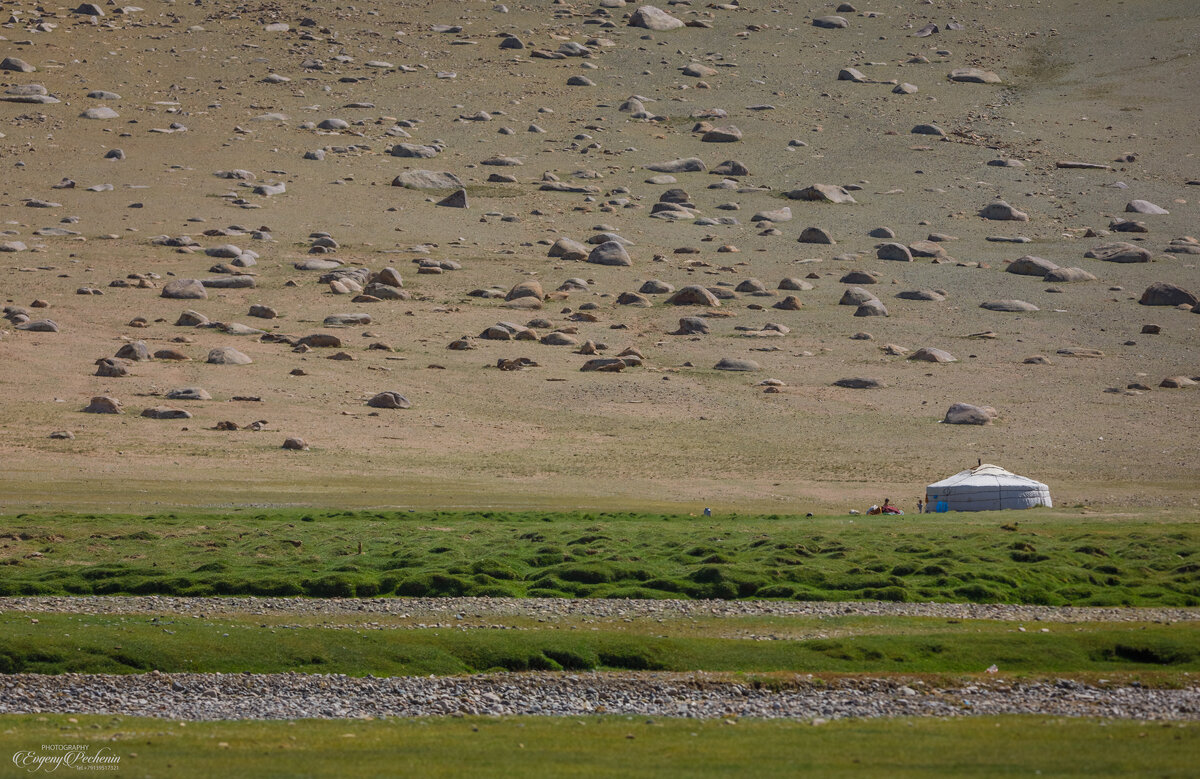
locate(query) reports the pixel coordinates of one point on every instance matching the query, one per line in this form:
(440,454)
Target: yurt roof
(986,474)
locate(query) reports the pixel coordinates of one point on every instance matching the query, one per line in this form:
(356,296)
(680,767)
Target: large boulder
(1031,266)
(873,307)
(966,414)
(685,165)
(650,18)
(930,354)
(568,249)
(166,412)
(974,76)
(1066,275)
(693,295)
(827,193)
(227,355)
(894,251)
(736,364)
(1118,252)
(1010,306)
(1162,294)
(610,253)
(103,404)
(530,288)
(692,325)
(389,399)
(855,296)
(999,210)
(427,179)
(184,289)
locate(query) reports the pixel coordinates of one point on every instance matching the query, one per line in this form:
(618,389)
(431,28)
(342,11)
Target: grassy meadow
(1034,557)
(621,746)
(133,643)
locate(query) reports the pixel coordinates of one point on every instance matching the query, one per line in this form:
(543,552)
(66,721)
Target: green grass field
(54,643)
(621,746)
(1039,557)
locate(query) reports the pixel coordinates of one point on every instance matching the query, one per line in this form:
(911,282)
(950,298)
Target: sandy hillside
(307,106)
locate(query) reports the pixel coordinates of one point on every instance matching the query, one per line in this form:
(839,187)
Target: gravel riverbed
(587,607)
(697,695)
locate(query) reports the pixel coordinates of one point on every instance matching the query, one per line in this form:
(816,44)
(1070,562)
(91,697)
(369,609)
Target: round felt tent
(986,488)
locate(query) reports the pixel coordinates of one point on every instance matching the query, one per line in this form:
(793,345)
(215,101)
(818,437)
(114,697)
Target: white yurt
(985,488)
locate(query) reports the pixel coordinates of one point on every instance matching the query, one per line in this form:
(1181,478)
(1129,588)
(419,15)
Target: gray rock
(184,289)
(1144,207)
(859,277)
(855,296)
(830,22)
(191,318)
(795,284)
(731,168)
(610,253)
(894,251)
(227,355)
(634,299)
(427,179)
(295,444)
(727,134)
(455,200)
(568,250)
(166,412)
(816,235)
(230,282)
(1011,306)
(188,393)
(389,399)
(17,65)
(692,325)
(774,215)
(736,364)
(39,326)
(136,351)
(650,18)
(1161,293)
(1118,252)
(604,365)
(112,368)
(346,320)
(930,354)
(103,404)
(99,112)
(828,193)
(1065,275)
(684,165)
(873,307)
(1030,265)
(974,76)
(414,151)
(921,294)
(966,414)
(928,129)
(860,382)
(693,295)
(999,210)
(320,341)
(656,287)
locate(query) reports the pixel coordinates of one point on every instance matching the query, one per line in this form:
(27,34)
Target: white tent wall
(986,488)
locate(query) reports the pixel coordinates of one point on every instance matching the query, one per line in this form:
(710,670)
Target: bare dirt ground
(1105,82)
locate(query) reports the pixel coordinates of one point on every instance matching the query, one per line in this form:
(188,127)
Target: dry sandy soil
(1101,81)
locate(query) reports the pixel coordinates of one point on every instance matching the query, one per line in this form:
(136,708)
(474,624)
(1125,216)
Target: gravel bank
(292,696)
(552,607)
